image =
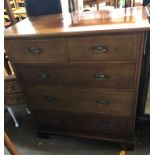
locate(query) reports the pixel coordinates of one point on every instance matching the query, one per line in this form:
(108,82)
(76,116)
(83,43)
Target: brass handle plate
(100,76)
(35,50)
(49,98)
(44,76)
(99,49)
(102,125)
(102,102)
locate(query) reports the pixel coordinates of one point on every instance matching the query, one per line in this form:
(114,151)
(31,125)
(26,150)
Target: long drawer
(107,47)
(96,76)
(108,102)
(35,50)
(103,124)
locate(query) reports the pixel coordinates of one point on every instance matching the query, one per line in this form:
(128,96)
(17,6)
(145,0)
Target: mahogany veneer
(81,78)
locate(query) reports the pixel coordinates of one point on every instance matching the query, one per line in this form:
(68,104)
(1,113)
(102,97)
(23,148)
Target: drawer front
(82,100)
(13,99)
(35,51)
(87,77)
(104,124)
(106,47)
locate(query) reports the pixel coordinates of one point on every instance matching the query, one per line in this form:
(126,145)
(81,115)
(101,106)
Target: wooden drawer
(15,98)
(107,47)
(35,50)
(108,102)
(96,76)
(11,86)
(103,124)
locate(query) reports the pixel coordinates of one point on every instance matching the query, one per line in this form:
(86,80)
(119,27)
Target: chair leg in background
(9,145)
(13,116)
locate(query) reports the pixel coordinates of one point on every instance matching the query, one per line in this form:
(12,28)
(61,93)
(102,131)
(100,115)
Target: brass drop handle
(100,76)
(44,76)
(102,125)
(102,102)
(99,49)
(35,50)
(49,98)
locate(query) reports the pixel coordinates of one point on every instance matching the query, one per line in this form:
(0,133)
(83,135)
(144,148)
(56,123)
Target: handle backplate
(99,49)
(101,76)
(35,50)
(44,76)
(102,126)
(102,102)
(49,98)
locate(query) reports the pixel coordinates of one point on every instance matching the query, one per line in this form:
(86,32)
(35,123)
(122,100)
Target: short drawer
(35,50)
(108,102)
(107,47)
(97,123)
(94,76)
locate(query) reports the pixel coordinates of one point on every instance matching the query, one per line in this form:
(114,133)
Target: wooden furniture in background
(20,12)
(13,92)
(81,78)
(7,66)
(10,14)
(13,12)
(13,96)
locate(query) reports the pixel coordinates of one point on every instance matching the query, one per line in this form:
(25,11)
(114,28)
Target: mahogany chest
(81,78)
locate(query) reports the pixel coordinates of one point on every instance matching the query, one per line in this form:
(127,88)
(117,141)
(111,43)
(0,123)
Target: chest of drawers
(81,79)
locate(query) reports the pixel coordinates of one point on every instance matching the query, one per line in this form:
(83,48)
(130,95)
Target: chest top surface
(115,20)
